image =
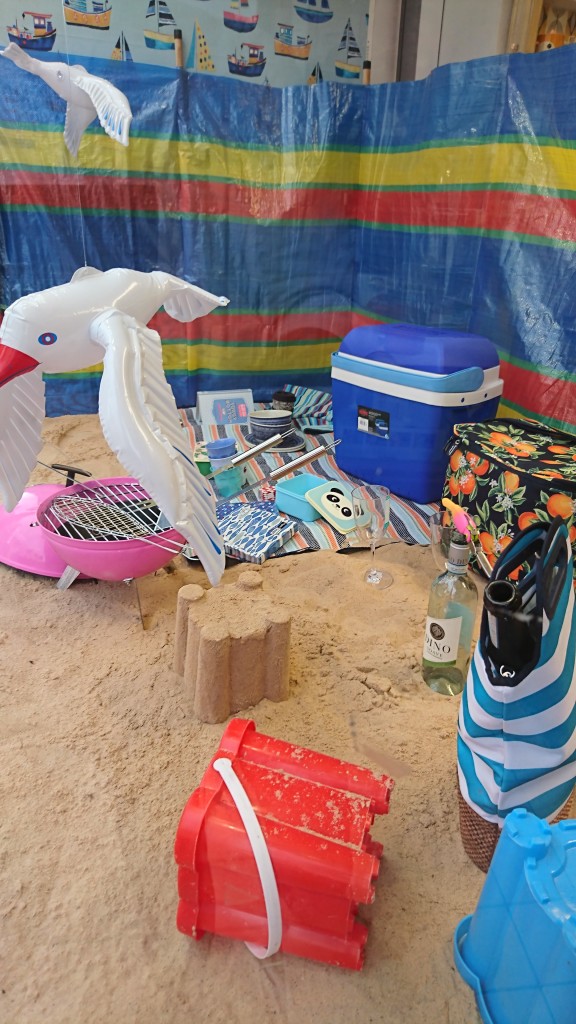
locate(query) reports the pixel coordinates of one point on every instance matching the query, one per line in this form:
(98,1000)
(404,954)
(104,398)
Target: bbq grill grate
(108,512)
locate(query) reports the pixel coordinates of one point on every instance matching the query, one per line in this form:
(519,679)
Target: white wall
(383,29)
(455,30)
(442,32)
(471,29)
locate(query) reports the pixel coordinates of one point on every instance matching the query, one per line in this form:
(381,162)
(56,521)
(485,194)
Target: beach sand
(100,753)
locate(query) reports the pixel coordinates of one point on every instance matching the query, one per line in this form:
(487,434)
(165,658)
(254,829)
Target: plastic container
(229,482)
(221,448)
(518,950)
(291,496)
(397,391)
(203,464)
(313,814)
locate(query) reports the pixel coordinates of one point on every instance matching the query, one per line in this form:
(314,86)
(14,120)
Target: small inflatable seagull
(87,97)
(73,326)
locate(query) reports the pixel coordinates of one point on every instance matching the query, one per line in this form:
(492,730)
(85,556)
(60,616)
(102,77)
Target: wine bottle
(450,622)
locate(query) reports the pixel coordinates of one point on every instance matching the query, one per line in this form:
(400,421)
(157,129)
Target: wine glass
(441,533)
(372,528)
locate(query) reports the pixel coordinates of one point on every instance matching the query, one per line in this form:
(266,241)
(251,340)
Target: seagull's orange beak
(14,363)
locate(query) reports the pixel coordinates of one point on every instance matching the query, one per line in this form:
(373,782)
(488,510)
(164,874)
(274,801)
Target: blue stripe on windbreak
(193,104)
(277,264)
(78,395)
(456,104)
(185,386)
(458,101)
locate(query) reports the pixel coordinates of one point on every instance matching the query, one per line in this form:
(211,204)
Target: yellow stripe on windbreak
(511,163)
(46,150)
(261,359)
(246,359)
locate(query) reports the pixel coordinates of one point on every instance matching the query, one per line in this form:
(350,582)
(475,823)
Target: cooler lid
(424,349)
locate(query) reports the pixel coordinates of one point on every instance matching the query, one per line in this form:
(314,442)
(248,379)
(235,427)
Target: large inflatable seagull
(87,97)
(102,315)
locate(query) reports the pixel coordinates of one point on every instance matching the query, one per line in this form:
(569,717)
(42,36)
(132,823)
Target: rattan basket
(479,837)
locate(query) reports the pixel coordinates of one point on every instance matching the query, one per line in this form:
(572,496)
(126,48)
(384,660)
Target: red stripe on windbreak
(268,330)
(497,210)
(175,195)
(550,397)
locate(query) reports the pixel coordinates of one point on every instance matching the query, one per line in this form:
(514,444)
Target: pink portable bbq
(108,529)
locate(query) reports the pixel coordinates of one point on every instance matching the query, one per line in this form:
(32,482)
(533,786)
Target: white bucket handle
(223,765)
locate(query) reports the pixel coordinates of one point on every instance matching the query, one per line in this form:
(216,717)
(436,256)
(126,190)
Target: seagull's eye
(59,74)
(48,338)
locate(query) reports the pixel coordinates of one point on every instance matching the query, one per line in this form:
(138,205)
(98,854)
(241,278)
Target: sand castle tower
(232,647)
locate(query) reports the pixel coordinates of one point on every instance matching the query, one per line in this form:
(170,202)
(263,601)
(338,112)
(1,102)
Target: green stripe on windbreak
(544,371)
(533,141)
(241,346)
(148,175)
(77,375)
(504,186)
(529,413)
(511,236)
(28,126)
(205,218)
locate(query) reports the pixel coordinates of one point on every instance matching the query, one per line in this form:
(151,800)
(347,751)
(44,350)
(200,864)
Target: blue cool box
(397,392)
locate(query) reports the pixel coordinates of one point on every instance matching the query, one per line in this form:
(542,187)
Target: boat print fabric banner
(264,42)
(449,201)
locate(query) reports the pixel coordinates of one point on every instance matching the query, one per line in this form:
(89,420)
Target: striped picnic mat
(408,521)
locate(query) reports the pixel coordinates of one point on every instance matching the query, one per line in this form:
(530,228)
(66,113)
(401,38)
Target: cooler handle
(223,765)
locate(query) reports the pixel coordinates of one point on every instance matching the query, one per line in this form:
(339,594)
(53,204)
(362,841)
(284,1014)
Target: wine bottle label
(441,639)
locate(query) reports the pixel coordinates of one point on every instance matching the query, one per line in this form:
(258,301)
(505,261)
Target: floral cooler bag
(510,474)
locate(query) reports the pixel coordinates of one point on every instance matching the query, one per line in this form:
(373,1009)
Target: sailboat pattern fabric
(517,744)
(295,39)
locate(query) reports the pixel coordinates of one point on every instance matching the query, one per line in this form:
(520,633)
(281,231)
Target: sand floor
(100,754)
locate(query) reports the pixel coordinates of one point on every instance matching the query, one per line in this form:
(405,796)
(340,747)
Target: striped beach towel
(517,743)
(409,522)
(312,408)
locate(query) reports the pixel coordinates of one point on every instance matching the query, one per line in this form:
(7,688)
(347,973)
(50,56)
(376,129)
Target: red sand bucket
(274,848)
